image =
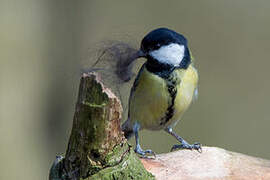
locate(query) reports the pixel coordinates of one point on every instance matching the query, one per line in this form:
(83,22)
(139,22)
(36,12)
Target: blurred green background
(43,45)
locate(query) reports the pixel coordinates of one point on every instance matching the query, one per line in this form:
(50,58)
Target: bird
(163,89)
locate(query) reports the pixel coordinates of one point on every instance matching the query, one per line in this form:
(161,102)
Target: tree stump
(97,148)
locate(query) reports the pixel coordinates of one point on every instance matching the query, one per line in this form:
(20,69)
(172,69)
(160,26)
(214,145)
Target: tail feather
(127,129)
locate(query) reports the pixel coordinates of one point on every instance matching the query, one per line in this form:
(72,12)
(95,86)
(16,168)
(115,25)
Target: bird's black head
(165,50)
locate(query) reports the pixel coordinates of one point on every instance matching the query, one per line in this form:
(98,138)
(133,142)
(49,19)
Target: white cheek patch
(171,54)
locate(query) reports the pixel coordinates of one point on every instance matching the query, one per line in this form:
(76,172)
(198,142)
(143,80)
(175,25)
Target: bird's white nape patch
(170,54)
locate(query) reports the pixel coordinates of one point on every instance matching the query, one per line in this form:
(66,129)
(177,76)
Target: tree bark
(97,148)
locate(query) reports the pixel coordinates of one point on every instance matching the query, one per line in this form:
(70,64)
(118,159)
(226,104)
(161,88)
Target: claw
(138,148)
(196,146)
(145,153)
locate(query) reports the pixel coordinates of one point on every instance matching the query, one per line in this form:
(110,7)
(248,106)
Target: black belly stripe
(171,86)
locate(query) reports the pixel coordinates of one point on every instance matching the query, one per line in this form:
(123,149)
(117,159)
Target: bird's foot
(185,145)
(145,153)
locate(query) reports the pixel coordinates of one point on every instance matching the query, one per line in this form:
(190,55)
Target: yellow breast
(150,99)
(185,92)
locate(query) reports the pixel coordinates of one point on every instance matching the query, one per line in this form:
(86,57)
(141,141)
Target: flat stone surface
(213,163)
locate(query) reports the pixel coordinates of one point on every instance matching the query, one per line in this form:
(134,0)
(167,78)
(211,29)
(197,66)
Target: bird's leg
(184,144)
(138,148)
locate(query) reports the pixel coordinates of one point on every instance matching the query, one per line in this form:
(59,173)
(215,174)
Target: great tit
(163,89)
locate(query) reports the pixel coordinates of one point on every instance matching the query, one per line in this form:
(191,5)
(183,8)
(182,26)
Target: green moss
(95,95)
(129,168)
(115,156)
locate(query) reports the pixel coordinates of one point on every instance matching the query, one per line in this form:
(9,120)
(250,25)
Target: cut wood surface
(213,163)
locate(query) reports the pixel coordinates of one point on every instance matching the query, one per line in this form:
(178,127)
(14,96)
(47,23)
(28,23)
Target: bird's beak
(140,54)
